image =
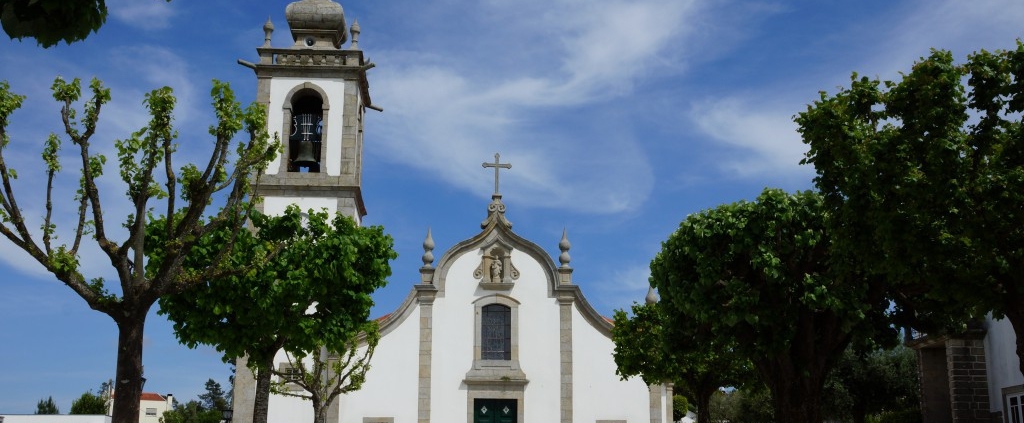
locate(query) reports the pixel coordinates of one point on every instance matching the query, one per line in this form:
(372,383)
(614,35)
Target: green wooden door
(494,410)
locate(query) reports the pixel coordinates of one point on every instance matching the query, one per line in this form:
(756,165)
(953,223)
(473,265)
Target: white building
(494,332)
(971,377)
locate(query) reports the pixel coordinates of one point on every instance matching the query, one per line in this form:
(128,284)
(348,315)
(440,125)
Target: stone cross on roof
(497,165)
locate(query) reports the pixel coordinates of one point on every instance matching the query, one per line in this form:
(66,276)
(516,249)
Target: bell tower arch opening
(305,140)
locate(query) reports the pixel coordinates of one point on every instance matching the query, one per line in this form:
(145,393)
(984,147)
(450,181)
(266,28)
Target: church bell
(305,157)
(307,128)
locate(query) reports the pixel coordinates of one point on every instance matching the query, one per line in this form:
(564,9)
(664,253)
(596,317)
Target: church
(492,331)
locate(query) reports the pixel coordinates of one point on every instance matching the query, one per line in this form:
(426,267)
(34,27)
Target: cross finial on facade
(497,165)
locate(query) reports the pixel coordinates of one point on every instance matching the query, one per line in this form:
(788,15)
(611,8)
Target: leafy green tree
(330,373)
(206,410)
(312,294)
(649,346)
(874,383)
(90,403)
(146,170)
(51,21)
(214,398)
(47,406)
(924,181)
(191,412)
(758,278)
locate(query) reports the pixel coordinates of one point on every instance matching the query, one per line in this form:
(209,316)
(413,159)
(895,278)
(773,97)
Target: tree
(214,398)
(924,181)
(758,277)
(47,406)
(877,382)
(312,295)
(331,373)
(649,346)
(52,21)
(90,403)
(185,194)
(206,410)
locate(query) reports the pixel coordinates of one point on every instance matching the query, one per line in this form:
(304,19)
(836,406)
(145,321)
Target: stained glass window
(496,333)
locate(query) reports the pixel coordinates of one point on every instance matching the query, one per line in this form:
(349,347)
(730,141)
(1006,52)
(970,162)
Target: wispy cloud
(142,14)
(446,119)
(763,137)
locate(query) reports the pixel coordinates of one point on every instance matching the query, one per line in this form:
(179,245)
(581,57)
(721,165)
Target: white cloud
(142,14)
(765,136)
(446,119)
(624,287)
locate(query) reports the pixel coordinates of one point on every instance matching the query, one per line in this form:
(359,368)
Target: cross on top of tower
(497,165)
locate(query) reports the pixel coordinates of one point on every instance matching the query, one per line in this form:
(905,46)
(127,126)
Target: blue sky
(620,117)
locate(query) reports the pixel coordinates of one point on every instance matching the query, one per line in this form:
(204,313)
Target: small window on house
(289,374)
(150,412)
(496,332)
(1015,408)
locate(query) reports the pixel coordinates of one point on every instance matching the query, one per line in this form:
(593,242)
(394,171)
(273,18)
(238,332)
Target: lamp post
(226,414)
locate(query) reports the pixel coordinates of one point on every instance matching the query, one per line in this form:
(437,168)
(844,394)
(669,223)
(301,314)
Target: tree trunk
(262,400)
(128,378)
(859,411)
(704,405)
(797,398)
(319,410)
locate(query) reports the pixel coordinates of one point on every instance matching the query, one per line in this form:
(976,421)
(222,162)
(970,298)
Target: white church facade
(494,331)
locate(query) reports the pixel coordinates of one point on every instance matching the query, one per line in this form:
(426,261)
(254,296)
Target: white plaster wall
(598,393)
(1003,364)
(454,334)
(285,409)
(279,88)
(275,206)
(391,388)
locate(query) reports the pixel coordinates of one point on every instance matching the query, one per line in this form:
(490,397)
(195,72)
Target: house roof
(149,396)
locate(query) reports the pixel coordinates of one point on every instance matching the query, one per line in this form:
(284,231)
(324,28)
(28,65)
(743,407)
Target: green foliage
(90,403)
(206,410)
(47,406)
(333,264)
(868,385)
(749,404)
(649,346)
(214,398)
(923,179)
(143,154)
(680,406)
(310,291)
(757,279)
(51,21)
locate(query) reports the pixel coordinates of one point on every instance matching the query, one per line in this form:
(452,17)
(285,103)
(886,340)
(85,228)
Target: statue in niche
(495,270)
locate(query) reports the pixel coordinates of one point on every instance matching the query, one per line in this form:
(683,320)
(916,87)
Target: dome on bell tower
(316,23)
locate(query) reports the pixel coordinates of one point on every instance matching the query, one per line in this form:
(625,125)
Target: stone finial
(428,251)
(651,298)
(564,246)
(268,30)
(355,35)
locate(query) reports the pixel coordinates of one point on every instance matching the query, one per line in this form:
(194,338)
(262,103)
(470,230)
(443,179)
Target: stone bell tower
(316,93)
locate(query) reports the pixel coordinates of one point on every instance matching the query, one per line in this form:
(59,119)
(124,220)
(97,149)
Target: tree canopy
(311,292)
(758,276)
(146,169)
(51,21)
(923,179)
(649,346)
(47,406)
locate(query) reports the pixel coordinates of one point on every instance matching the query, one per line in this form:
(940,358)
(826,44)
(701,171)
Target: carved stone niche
(496,271)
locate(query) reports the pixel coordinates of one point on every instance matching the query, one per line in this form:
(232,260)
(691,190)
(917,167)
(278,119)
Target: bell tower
(316,93)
